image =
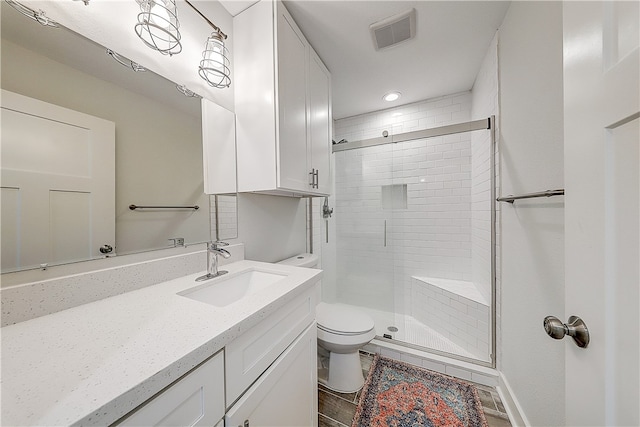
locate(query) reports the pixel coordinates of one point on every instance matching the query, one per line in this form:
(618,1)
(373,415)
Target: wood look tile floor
(338,409)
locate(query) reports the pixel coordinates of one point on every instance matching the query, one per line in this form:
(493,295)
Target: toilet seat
(339,320)
(346,334)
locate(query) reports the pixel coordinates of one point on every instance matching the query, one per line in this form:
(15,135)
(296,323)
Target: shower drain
(392,329)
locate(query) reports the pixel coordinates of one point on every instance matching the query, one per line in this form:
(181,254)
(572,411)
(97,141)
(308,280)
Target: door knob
(575,328)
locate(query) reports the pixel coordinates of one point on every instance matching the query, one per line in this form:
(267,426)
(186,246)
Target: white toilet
(342,331)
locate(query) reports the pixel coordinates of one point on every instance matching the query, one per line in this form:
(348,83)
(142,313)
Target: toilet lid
(342,320)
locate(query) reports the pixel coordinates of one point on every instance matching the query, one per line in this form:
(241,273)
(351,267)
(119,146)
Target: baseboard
(511,404)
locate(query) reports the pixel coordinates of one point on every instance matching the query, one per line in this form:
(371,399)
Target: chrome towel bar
(548,193)
(134,207)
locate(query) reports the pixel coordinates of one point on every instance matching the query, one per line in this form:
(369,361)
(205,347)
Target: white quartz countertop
(92,364)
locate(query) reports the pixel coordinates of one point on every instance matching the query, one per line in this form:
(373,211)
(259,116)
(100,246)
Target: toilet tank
(302,260)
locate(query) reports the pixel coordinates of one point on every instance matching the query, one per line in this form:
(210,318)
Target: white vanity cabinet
(271,372)
(286,394)
(283,105)
(197,399)
(267,376)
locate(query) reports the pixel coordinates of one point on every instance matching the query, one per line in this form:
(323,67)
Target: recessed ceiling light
(391,96)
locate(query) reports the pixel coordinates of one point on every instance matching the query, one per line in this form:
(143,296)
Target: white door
(58,184)
(602,222)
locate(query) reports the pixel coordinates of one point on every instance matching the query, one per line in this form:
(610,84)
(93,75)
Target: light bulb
(214,67)
(160,14)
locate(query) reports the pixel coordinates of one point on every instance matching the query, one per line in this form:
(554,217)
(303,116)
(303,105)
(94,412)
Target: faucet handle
(218,243)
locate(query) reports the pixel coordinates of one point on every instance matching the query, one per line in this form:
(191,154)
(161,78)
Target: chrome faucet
(213,250)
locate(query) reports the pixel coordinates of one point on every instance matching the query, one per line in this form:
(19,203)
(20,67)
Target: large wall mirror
(157,153)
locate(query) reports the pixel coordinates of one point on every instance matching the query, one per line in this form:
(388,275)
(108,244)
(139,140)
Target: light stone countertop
(94,363)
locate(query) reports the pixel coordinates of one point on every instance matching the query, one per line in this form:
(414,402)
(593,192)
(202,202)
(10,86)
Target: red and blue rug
(397,394)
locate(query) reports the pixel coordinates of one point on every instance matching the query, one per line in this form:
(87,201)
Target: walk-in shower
(414,228)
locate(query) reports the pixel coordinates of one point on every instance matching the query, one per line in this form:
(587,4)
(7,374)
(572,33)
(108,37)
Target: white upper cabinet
(319,92)
(283,105)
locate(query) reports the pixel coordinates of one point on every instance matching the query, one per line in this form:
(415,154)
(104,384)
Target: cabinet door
(287,393)
(195,400)
(319,122)
(249,355)
(292,103)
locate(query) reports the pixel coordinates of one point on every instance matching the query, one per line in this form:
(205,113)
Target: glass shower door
(364,250)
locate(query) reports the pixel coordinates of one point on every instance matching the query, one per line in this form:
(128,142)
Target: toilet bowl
(342,331)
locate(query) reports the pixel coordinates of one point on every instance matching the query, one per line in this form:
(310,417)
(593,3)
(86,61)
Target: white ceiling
(451,40)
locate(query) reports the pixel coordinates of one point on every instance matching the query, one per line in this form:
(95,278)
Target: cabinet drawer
(248,356)
(197,399)
(287,393)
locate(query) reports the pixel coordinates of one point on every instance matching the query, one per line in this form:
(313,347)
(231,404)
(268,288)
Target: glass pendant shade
(214,66)
(158,26)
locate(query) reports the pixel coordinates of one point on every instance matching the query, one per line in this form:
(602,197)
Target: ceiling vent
(394,30)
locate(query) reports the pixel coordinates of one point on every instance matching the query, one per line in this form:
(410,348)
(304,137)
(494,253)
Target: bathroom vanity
(161,356)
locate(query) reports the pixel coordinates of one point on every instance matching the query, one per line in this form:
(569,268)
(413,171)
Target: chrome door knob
(575,328)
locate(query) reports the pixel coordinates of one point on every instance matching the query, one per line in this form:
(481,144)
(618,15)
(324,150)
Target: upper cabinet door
(320,122)
(292,97)
(283,111)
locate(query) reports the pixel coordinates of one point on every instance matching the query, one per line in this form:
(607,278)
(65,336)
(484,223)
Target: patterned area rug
(401,395)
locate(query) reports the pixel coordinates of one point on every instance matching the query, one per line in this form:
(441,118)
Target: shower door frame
(482,124)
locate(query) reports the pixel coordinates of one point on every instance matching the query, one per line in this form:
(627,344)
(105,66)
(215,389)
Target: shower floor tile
(413,332)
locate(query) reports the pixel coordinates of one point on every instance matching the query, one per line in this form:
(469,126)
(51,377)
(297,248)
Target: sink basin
(226,290)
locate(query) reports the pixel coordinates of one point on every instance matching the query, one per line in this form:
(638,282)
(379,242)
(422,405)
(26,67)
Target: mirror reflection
(224,210)
(157,152)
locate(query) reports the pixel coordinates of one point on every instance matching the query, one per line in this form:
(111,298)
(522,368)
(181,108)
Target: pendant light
(214,66)
(158,26)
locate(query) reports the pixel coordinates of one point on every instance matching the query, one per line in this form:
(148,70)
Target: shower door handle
(385,233)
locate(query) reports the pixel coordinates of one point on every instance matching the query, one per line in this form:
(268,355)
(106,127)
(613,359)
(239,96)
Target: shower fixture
(39,16)
(326,211)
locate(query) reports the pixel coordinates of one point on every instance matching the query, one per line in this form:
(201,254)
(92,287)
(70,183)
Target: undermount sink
(226,290)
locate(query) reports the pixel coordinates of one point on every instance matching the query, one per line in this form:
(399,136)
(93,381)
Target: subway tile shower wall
(431,234)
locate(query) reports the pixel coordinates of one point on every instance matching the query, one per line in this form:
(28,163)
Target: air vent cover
(394,30)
